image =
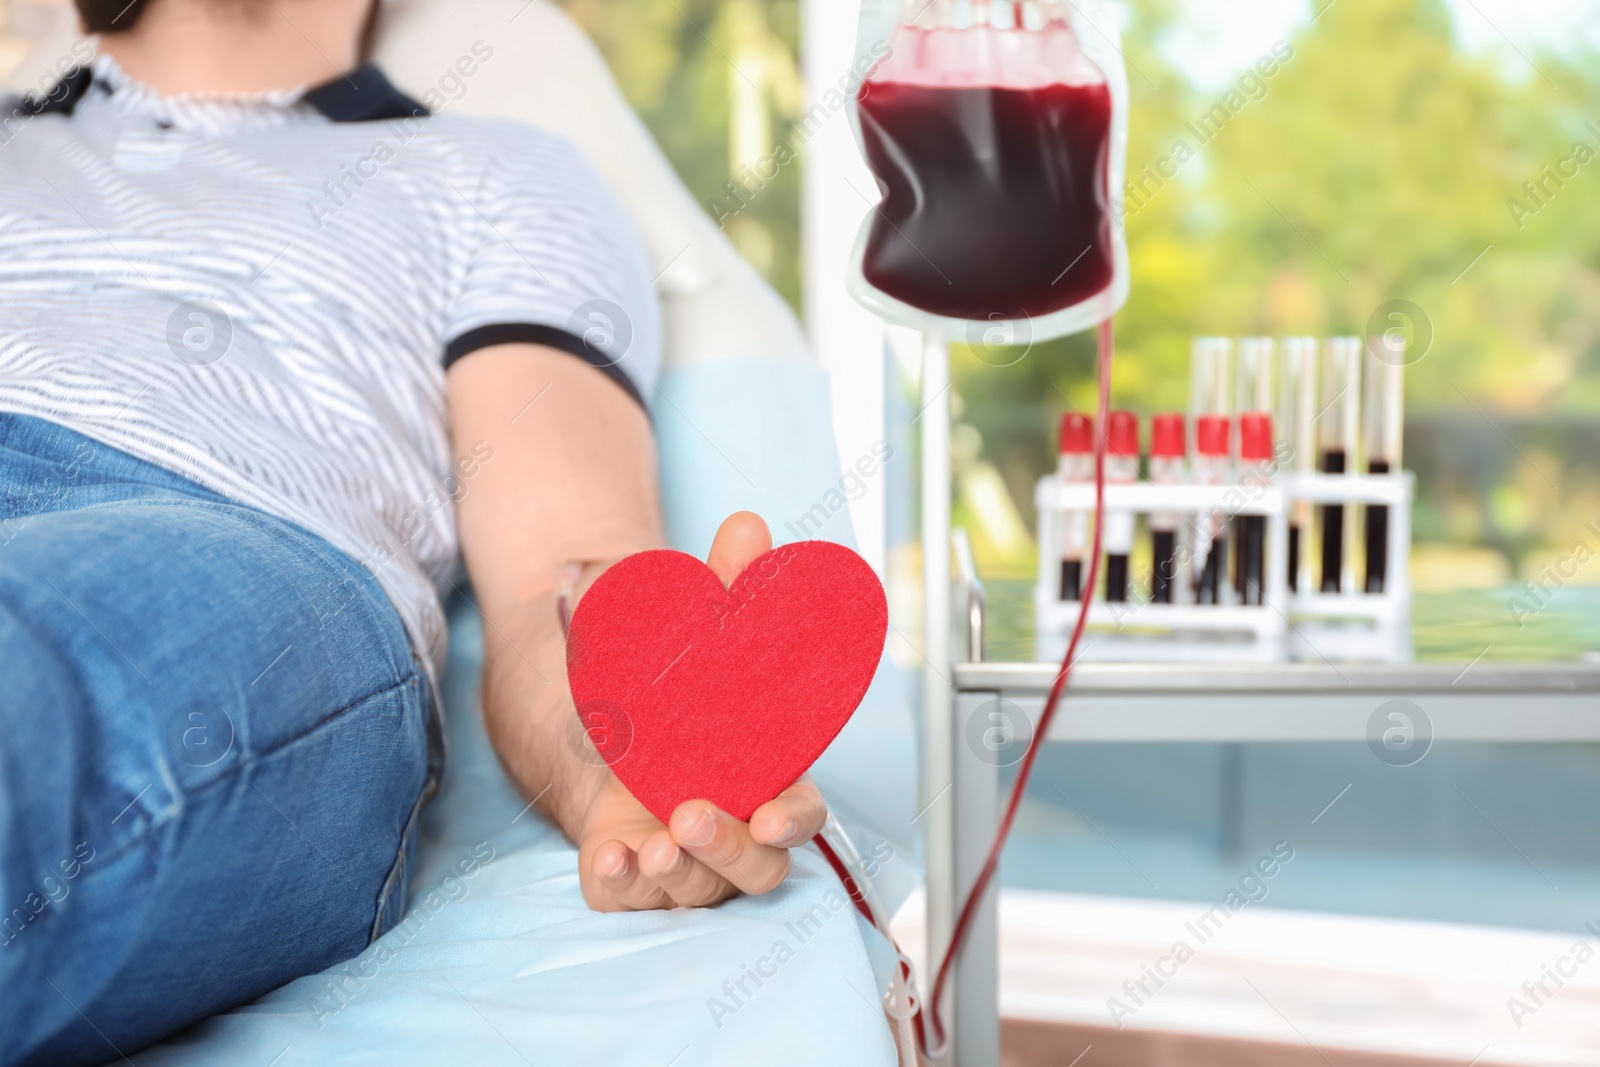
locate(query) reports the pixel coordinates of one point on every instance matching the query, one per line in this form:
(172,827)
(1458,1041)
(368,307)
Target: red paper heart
(691,691)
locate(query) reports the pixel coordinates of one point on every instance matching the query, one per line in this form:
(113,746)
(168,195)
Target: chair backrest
(544,70)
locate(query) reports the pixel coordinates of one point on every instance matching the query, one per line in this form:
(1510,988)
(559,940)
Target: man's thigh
(215,743)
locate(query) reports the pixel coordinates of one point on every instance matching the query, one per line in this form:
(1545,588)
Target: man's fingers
(685,879)
(723,844)
(791,819)
(741,538)
(615,882)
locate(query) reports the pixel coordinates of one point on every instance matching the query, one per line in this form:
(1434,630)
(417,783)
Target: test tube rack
(1305,624)
(1137,621)
(1353,624)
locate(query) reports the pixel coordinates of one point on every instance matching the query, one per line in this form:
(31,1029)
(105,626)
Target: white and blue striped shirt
(262,293)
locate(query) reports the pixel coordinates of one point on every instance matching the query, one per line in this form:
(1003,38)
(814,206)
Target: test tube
(1297,433)
(1338,434)
(1255,450)
(1211,462)
(1252,391)
(1076,464)
(1167,467)
(1122,465)
(1210,400)
(1252,376)
(1384,417)
(1210,366)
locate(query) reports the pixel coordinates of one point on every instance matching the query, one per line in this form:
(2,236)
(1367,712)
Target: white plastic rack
(1286,626)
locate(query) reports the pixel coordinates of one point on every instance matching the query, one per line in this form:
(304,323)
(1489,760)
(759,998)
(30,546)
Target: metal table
(1125,702)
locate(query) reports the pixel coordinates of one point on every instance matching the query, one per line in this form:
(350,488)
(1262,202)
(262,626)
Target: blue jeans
(215,744)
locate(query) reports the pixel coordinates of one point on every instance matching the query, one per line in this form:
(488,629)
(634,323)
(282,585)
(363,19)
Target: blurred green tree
(1367,159)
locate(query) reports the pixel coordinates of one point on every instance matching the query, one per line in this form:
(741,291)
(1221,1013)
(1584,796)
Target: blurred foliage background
(1382,160)
(718,83)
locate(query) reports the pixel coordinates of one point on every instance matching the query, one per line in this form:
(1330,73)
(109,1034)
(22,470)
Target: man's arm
(573,481)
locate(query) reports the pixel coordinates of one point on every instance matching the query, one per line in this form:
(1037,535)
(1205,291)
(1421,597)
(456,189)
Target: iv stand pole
(938,769)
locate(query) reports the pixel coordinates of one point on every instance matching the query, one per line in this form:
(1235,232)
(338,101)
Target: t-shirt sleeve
(555,261)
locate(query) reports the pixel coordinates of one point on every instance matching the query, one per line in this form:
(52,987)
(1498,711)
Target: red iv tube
(1167,467)
(1122,466)
(1076,465)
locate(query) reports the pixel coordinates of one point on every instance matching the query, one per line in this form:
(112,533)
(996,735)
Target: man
(242,441)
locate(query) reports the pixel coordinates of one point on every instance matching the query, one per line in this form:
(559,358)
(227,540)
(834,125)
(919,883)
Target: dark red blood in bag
(995,199)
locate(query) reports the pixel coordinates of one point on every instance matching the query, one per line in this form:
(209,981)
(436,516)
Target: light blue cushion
(500,961)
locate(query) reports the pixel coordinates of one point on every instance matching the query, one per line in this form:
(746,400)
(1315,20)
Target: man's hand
(627,860)
(558,467)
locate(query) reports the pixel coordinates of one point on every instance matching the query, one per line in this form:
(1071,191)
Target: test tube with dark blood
(1255,457)
(1384,418)
(1333,461)
(1210,397)
(1122,467)
(1252,391)
(1339,431)
(1075,464)
(1297,434)
(1211,468)
(1167,467)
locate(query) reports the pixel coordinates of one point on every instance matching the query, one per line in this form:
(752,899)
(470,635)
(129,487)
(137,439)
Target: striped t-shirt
(262,293)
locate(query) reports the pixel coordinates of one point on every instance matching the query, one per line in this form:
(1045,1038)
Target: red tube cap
(1166,437)
(1255,435)
(1124,434)
(1077,433)
(1212,433)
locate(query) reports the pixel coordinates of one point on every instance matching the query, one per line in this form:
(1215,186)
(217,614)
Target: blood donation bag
(996,132)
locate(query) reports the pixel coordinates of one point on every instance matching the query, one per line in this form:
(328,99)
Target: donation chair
(498,959)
